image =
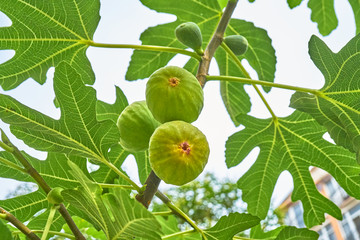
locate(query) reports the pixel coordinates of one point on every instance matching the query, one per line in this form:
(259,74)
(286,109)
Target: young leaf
(337,105)
(293,144)
(44,33)
(228,226)
(115,213)
(76,132)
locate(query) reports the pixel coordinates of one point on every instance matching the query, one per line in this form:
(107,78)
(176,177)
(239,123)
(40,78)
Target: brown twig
(42,184)
(18,224)
(215,42)
(153,180)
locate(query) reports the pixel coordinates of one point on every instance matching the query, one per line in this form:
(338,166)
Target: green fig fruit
(136,125)
(178,152)
(54,196)
(189,34)
(237,43)
(173,93)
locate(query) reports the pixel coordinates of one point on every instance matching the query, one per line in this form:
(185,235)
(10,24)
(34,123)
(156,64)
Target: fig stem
(178,234)
(263,83)
(49,221)
(65,235)
(144,47)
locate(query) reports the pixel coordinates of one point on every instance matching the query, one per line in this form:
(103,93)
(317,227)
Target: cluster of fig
(189,34)
(178,151)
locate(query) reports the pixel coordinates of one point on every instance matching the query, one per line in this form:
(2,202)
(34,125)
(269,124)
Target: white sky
(123,21)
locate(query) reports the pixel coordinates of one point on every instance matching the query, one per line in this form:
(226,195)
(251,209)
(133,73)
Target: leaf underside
(44,33)
(337,105)
(291,144)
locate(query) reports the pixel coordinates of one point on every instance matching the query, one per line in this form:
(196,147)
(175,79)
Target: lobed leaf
(337,105)
(293,144)
(44,33)
(76,132)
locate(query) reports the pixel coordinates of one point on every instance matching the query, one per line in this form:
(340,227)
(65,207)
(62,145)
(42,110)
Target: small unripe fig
(237,43)
(136,125)
(54,196)
(173,93)
(178,152)
(189,34)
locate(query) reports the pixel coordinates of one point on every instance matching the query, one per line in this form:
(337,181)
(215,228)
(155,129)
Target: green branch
(178,234)
(263,83)
(145,47)
(53,233)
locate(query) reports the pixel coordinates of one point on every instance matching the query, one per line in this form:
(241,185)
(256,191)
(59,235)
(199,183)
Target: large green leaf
(118,216)
(337,105)
(228,226)
(293,144)
(44,33)
(76,132)
(206,13)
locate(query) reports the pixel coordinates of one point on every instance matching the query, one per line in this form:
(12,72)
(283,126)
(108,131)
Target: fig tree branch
(215,42)
(42,184)
(18,224)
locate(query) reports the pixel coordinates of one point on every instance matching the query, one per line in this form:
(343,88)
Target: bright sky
(123,21)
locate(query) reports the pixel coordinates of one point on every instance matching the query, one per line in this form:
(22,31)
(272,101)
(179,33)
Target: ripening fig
(54,196)
(189,34)
(237,43)
(173,93)
(136,125)
(178,152)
